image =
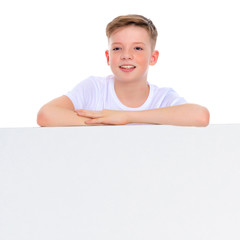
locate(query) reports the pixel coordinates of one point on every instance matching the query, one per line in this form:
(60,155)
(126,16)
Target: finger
(94,121)
(89,113)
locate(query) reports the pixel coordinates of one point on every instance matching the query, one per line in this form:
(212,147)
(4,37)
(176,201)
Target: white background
(47,47)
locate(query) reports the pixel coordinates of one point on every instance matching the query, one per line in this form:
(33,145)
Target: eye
(116,49)
(139,48)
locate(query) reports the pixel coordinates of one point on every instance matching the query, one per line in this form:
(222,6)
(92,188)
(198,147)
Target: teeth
(127,67)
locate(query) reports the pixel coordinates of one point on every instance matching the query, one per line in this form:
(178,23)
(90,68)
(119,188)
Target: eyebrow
(132,43)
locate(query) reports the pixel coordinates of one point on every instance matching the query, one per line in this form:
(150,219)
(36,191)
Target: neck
(132,94)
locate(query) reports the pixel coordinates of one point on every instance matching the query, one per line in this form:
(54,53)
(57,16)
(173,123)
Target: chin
(125,78)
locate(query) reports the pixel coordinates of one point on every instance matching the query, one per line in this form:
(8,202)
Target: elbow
(203,117)
(42,119)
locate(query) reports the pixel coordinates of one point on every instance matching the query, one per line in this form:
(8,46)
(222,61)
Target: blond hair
(133,19)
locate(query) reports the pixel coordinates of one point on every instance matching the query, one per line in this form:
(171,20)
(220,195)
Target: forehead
(130,34)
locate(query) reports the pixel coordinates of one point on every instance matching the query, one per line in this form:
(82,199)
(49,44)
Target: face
(130,53)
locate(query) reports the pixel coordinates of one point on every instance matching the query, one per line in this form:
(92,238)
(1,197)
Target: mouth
(127,67)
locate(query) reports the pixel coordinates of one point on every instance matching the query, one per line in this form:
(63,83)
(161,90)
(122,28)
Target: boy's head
(131,47)
(135,20)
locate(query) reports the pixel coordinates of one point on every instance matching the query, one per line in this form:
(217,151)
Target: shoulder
(161,91)
(88,93)
(166,96)
(156,89)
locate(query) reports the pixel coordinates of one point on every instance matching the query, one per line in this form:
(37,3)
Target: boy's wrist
(133,116)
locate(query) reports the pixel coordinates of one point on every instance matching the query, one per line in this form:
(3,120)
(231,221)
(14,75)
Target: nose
(127,55)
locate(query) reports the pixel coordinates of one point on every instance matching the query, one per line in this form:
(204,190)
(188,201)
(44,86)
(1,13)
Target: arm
(180,115)
(59,112)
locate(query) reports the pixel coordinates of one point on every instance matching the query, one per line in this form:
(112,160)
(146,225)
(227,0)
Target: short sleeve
(83,95)
(172,99)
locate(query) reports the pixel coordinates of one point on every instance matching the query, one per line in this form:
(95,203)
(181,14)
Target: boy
(126,97)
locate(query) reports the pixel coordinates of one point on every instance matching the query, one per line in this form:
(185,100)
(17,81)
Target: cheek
(143,60)
(113,59)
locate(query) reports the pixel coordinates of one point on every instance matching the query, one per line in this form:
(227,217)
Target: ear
(154,57)
(107,56)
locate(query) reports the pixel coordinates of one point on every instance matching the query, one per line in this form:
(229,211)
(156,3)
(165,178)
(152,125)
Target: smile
(127,67)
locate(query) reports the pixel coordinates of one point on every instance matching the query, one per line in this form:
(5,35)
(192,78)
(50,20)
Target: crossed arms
(61,112)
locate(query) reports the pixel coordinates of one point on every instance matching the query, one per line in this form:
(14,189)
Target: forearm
(53,116)
(180,115)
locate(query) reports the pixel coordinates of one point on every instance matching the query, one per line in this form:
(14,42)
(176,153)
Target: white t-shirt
(98,93)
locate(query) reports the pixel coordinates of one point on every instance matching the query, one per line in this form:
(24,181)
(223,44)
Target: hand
(110,117)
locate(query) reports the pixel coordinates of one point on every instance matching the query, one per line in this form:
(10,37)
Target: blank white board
(135,182)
